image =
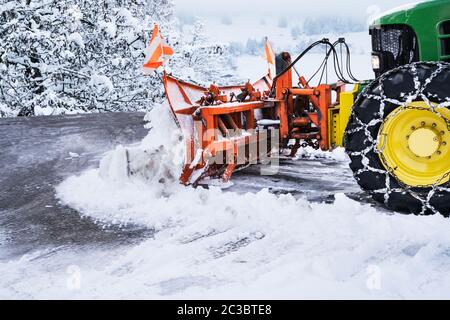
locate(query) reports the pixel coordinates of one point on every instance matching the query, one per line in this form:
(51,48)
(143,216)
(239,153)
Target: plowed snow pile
(218,244)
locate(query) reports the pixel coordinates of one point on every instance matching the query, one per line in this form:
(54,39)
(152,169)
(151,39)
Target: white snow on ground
(311,153)
(217,244)
(54,111)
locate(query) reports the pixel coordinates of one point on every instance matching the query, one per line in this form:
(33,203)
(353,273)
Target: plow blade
(219,125)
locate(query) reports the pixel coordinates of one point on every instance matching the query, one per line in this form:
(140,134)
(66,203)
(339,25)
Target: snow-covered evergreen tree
(202,61)
(296,32)
(334,24)
(59,56)
(282,22)
(82,55)
(252,47)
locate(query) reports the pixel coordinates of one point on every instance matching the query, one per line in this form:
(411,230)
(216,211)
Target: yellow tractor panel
(339,117)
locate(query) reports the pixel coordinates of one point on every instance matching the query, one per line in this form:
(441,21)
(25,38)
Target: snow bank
(132,175)
(337,154)
(216,244)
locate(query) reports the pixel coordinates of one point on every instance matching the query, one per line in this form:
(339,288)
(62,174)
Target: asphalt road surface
(36,155)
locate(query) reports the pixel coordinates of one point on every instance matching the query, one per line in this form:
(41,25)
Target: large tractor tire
(398,139)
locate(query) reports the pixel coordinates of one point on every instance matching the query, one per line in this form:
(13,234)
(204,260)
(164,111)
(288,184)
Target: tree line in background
(303,32)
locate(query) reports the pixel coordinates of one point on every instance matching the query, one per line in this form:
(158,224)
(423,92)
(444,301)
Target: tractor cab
(411,33)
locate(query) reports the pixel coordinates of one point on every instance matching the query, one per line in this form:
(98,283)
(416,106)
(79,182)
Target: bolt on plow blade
(220,126)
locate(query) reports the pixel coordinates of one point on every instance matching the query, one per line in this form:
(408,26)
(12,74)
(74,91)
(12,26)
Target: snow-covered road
(37,154)
(310,234)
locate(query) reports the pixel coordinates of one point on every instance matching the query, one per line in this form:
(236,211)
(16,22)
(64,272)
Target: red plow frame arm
(234,126)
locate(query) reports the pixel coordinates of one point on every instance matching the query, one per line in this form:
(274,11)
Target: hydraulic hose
(336,64)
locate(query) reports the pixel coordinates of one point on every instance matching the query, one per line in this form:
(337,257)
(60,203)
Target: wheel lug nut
(422,124)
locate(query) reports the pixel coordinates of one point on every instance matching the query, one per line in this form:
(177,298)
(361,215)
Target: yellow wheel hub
(424,142)
(414,143)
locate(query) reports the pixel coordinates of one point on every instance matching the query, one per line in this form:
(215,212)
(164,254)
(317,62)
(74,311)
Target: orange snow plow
(226,128)
(219,125)
(229,127)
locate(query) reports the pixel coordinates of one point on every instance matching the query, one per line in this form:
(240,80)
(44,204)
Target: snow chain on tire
(381,100)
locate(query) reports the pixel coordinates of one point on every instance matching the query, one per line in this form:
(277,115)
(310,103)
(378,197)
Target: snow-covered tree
(59,56)
(252,47)
(335,24)
(296,32)
(202,61)
(186,19)
(236,48)
(282,22)
(77,55)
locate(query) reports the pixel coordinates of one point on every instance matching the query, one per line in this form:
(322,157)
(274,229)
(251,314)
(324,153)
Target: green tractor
(398,135)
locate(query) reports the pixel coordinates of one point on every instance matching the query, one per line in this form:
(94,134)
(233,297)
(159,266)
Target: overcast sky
(359,9)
